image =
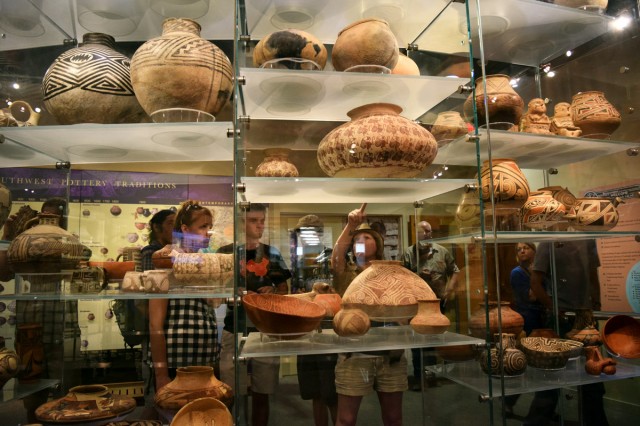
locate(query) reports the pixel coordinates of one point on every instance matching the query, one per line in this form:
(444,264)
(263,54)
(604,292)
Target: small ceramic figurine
(536,119)
(561,123)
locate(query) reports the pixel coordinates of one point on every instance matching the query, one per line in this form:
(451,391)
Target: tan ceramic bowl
(621,336)
(282,316)
(203,412)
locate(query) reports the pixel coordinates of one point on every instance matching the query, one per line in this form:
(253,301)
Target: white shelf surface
(13,390)
(507,237)
(376,339)
(122,143)
(339,190)
(524,32)
(531,151)
(329,95)
(16,155)
(470,374)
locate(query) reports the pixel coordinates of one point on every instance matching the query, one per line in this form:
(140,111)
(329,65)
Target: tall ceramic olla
(377,143)
(503,178)
(179,69)
(504,104)
(91,84)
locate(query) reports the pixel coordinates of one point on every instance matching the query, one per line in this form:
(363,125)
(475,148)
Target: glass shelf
(104,295)
(532,236)
(524,32)
(381,338)
(329,95)
(13,390)
(470,374)
(339,190)
(531,151)
(123,143)
(15,154)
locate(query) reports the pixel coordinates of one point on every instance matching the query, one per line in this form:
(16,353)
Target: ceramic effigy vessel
(91,84)
(377,143)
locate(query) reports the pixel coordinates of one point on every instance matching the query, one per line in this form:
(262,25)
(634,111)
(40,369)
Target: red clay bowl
(621,336)
(115,270)
(162,262)
(282,316)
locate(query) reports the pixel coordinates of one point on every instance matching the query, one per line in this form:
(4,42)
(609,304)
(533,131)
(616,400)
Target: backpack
(132,316)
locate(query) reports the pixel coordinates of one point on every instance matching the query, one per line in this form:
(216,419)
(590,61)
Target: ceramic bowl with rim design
(548,353)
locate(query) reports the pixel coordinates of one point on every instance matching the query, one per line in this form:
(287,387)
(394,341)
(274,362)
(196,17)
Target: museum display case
(496,122)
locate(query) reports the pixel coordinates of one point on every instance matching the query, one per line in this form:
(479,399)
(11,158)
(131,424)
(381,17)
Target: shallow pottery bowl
(115,270)
(282,316)
(621,336)
(548,353)
(203,412)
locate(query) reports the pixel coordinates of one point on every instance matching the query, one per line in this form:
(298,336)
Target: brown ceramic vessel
(282,316)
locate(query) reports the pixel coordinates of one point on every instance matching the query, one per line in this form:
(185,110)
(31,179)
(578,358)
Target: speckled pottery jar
(180,69)
(45,248)
(541,210)
(510,186)
(290,43)
(593,114)
(505,104)
(91,84)
(276,164)
(377,143)
(365,42)
(5,204)
(192,383)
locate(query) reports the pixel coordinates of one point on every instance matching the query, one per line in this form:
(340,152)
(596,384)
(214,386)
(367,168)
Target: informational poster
(619,272)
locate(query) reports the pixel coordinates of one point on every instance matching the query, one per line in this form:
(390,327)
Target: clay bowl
(621,336)
(203,412)
(548,353)
(281,316)
(115,270)
(162,262)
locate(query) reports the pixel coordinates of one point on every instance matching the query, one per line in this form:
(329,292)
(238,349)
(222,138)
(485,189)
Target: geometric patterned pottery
(510,186)
(594,214)
(593,114)
(505,105)
(377,143)
(548,354)
(156,280)
(387,290)
(448,125)
(91,84)
(5,204)
(276,164)
(351,322)
(179,69)
(9,365)
(290,43)
(584,330)
(541,210)
(621,336)
(468,212)
(429,319)
(84,404)
(563,195)
(114,270)
(512,322)
(365,42)
(286,317)
(44,248)
(203,412)
(191,383)
(514,361)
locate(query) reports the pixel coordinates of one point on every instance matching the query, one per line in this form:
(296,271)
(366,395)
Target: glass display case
(448,152)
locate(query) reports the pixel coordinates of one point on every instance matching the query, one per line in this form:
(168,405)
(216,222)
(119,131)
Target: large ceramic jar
(386,290)
(504,104)
(290,43)
(429,319)
(180,69)
(541,210)
(377,143)
(594,115)
(91,84)
(192,383)
(5,204)
(30,350)
(45,248)
(365,42)
(563,195)
(510,185)
(512,322)
(276,164)
(85,404)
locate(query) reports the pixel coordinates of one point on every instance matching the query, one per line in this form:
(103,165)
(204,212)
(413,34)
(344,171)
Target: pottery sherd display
(190,384)
(180,69)
(429,319)
(504,104)
(91,84)
(276,164)
(593,114)
(377,143)
(85,404)
(365,42)
(290,43)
